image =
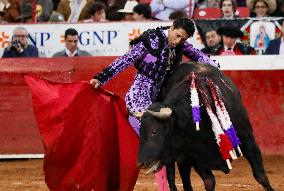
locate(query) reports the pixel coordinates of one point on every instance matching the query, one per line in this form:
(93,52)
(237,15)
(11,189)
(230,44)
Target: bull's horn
(164,113)
(137,114)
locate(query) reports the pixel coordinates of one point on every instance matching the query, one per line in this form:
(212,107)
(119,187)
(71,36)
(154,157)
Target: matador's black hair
(186,24)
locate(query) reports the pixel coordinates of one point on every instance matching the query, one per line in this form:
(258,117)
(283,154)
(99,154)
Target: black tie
(171,58)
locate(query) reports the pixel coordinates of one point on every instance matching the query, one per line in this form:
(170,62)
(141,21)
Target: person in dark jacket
(19,46)
(212,42)
(231,42)
(276,46)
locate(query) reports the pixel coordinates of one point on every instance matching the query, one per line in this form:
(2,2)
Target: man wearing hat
(231,44)
(128,10)
(261,8)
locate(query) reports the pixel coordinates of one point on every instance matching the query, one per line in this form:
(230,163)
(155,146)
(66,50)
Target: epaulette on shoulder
(153,40)
(141,37)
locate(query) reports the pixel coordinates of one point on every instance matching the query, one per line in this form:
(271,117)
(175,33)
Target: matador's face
(176,36)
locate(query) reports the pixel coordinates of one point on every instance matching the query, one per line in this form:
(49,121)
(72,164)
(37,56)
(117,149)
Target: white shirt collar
(70,54)
(166,32)
(232,48)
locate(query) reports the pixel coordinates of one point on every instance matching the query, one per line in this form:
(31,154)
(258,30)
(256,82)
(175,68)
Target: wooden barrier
(262,93)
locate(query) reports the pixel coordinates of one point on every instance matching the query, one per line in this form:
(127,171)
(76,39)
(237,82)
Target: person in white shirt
(71,45)
(163,8)
(74,10)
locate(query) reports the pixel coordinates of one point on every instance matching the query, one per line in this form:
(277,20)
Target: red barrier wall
(262,93)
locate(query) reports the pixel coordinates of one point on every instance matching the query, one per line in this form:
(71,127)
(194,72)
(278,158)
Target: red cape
(89,144)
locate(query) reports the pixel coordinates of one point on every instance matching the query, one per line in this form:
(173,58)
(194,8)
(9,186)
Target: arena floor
(27,175)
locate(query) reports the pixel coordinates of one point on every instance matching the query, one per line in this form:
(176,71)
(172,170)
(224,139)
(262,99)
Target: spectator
(231,46)
(26,12)
(3,6)
(142,12)
(71,45)
(178,15)
(128,10)
(276,46)
(74,10)
(228,9)
(56,17)
(11,10)
(112,7)
(212,42)
(19,46)
(163,8)
(44,10)
(261,8)
(97,13)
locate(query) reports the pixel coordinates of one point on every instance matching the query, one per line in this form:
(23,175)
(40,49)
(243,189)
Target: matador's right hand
(96,83)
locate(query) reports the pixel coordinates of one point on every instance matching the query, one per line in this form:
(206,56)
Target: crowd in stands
(217,41)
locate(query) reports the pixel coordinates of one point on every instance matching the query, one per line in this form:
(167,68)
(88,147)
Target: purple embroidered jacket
(150,57)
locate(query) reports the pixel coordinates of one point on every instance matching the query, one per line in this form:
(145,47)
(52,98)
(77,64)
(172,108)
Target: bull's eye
(154,132)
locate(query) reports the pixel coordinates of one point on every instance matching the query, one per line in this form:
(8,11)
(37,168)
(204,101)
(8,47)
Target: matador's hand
(96,83)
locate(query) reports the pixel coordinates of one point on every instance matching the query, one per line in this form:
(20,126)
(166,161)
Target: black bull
(172,136)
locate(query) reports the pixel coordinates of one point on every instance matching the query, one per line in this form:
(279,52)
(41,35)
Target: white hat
(128,7)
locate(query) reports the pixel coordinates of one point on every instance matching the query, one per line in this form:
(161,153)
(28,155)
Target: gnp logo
(3,39)
(135,33)
(86,38)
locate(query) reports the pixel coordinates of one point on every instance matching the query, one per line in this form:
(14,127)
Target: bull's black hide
(175,139)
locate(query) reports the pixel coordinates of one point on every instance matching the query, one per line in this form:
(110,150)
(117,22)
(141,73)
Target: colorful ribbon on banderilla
(224,131)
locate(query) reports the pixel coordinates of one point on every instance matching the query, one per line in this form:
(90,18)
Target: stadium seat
(207,13)
(243,12)
(214,12)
